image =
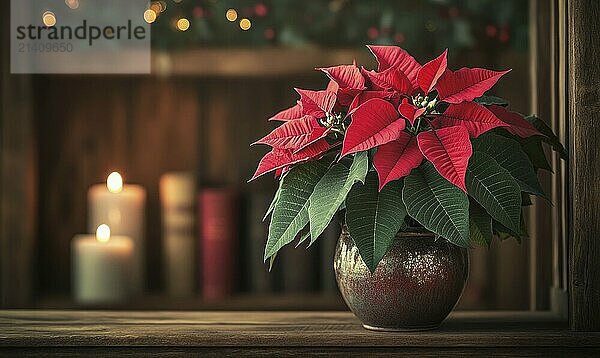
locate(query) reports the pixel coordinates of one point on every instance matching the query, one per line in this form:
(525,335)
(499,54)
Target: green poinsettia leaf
(495,189)
(273,202)
(374,217)
(303,237)
(532,146)
(272,261)
(480,225)
(290,214)
(549,136)
(509,155)
(437,204)
(505,233)
(490,100)
(331,191)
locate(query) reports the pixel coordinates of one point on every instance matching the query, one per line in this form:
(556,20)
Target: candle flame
(103,233)
(114,182)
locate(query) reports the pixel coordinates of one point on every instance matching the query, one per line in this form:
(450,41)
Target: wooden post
(584,149)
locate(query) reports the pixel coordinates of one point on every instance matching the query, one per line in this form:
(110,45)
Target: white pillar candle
(122,207)
(101,271)
(177,197)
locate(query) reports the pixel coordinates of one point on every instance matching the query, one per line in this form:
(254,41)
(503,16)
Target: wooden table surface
(60,333)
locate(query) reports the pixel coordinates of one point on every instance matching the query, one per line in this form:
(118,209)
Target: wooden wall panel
(18,173)
(88,127)
(584,137)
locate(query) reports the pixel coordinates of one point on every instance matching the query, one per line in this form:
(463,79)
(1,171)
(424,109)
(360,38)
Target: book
(256,276)
(177,197)
(298,268)
(327,244)
(218,226)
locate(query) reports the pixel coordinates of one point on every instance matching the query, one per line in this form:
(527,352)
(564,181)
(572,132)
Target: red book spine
(218,233)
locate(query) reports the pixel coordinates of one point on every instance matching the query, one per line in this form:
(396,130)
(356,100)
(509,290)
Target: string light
(149,16)
(198,11)
(231,15)
(183,24)
(157,7)
(49,19)
(430,26)
(399,37)
(269,34)
(72,4)
(245,24)
(261,9)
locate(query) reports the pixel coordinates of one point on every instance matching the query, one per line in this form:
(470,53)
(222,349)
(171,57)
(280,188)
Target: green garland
(422,26)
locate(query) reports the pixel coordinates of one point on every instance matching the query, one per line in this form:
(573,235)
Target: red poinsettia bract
(408,111)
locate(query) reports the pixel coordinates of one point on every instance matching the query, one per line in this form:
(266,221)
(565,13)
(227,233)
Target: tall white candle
(177,197)
(101,270)
(122,207)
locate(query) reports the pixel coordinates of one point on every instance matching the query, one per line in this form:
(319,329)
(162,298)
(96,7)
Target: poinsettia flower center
(421,101)
(334,122)
(421,123)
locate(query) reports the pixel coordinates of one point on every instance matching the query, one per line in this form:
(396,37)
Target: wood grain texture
(584,121)
(240,302)
(17,180)
(287,333)
(300,352)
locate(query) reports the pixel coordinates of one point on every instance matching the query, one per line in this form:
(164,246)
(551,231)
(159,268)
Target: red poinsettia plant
(403,146)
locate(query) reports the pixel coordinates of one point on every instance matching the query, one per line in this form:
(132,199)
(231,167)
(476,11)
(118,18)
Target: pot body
(414,287)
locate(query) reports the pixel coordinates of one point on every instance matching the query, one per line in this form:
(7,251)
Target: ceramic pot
(414,287)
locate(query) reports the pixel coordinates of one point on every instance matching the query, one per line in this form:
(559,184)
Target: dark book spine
(299,268)
(218,233)
(259,280)
(327,244)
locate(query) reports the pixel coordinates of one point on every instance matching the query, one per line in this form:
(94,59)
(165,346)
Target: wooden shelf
(247,62)
(34,333)
(245,302)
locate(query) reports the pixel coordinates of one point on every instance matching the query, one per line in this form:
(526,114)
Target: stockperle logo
(79,36)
